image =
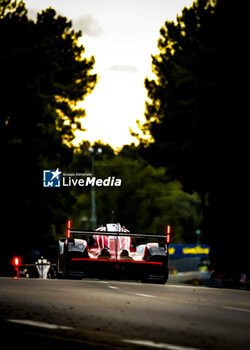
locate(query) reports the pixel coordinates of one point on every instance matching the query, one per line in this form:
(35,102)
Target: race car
(112,251)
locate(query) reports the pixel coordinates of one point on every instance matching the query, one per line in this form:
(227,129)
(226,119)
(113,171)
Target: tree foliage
(196,107)
(147,201)
(44,74)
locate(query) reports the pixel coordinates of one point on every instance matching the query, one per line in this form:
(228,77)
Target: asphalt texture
(96,314)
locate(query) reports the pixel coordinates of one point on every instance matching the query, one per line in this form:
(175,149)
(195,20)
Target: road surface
(93,314)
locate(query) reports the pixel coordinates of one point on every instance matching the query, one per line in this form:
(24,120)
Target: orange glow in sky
(121,35)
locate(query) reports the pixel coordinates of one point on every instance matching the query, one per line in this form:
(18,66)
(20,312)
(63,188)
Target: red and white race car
(112,251)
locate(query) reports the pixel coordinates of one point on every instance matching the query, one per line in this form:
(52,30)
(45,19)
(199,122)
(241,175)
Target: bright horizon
(121,35)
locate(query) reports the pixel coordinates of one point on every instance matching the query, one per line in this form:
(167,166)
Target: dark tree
(44,74)
(195,113)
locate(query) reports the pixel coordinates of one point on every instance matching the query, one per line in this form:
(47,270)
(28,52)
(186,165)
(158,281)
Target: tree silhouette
(44,75)
(195,110)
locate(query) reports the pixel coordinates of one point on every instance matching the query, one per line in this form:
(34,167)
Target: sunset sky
(121,35)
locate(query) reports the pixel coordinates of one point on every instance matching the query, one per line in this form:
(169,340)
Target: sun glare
(113,108)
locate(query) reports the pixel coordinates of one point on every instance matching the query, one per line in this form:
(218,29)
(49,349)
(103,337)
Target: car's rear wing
(166,235)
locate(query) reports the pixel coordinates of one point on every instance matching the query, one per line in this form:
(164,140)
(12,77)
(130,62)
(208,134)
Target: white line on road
(186,286)
(152,344)
(112,287)
(40,324)
(236,308)
(145,295)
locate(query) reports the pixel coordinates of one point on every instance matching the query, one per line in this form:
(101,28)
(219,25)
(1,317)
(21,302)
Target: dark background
(192,176)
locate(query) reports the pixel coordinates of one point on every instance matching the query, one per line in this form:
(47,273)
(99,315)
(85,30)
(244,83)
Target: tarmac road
(93,314)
